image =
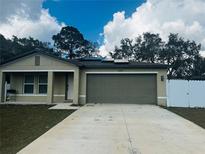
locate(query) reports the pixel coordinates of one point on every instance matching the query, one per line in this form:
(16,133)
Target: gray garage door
(118,88)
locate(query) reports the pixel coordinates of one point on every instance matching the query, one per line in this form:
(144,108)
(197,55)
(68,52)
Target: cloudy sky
(106,21)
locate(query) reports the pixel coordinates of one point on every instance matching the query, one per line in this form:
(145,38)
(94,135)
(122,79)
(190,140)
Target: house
(38,76)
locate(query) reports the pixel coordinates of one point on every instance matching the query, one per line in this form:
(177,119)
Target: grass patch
(196,115)
(21,124)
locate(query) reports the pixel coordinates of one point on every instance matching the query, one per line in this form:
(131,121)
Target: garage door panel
(118,88)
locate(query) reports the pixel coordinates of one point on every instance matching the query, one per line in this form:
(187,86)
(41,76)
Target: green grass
(21,124)
(196,115)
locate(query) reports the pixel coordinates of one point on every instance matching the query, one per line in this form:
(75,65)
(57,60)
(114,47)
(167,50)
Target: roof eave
(141,67)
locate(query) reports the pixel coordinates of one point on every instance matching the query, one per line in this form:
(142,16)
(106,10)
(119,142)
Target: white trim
(160,97)
(38,70)
(30,95)
(82,95)
(60,95)
(121,72)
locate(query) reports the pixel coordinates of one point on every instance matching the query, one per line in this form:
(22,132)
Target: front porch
(39,87)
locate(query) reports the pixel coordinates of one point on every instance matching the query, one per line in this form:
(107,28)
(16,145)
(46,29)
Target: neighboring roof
(92,62)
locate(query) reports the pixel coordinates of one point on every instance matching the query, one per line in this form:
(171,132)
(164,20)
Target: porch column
(50,87)
(2,86)
(76,86)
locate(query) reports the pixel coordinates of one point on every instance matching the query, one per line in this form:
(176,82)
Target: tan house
(41,77)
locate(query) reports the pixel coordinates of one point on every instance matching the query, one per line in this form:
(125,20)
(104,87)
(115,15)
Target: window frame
(29,84)
(42,84)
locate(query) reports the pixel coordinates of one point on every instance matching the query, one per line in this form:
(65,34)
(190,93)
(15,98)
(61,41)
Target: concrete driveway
(121,129)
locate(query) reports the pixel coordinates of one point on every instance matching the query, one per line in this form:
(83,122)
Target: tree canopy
(17,46)
(70,42)
(181,55)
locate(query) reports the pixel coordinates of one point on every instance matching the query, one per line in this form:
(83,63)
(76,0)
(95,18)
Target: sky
(89,16)
(104,21)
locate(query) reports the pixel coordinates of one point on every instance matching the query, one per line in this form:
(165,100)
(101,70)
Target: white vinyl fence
(184,93)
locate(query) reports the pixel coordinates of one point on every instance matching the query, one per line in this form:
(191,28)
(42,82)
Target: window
(42,83)
(29,84)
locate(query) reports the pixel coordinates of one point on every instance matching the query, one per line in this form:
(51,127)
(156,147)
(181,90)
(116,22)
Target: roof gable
(46,62)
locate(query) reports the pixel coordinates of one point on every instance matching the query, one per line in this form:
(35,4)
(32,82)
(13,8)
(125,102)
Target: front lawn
(21,124)
(196,115)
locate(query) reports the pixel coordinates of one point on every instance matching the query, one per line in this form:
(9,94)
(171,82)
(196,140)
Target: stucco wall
(29,98)
(161,85)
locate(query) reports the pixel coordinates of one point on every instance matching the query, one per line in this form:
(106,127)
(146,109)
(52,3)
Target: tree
(125,51)
(117,54)
(88,49)
(150,47)
(70,41)
(146,48)
(10,48)
(198,67)
(181,55)
(137,49)
(21,45)
(5,47)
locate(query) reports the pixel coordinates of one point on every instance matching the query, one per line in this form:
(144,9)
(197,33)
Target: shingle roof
(93,63)
(101,64)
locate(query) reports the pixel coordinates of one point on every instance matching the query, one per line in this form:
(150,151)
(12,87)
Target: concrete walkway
(64,106)
(121,129)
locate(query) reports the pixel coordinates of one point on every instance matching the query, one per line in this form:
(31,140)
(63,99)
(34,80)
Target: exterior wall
(70,87)
(161,85)
(59,87)
(161,88)
(16,82)
(47,64)
(30,98)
